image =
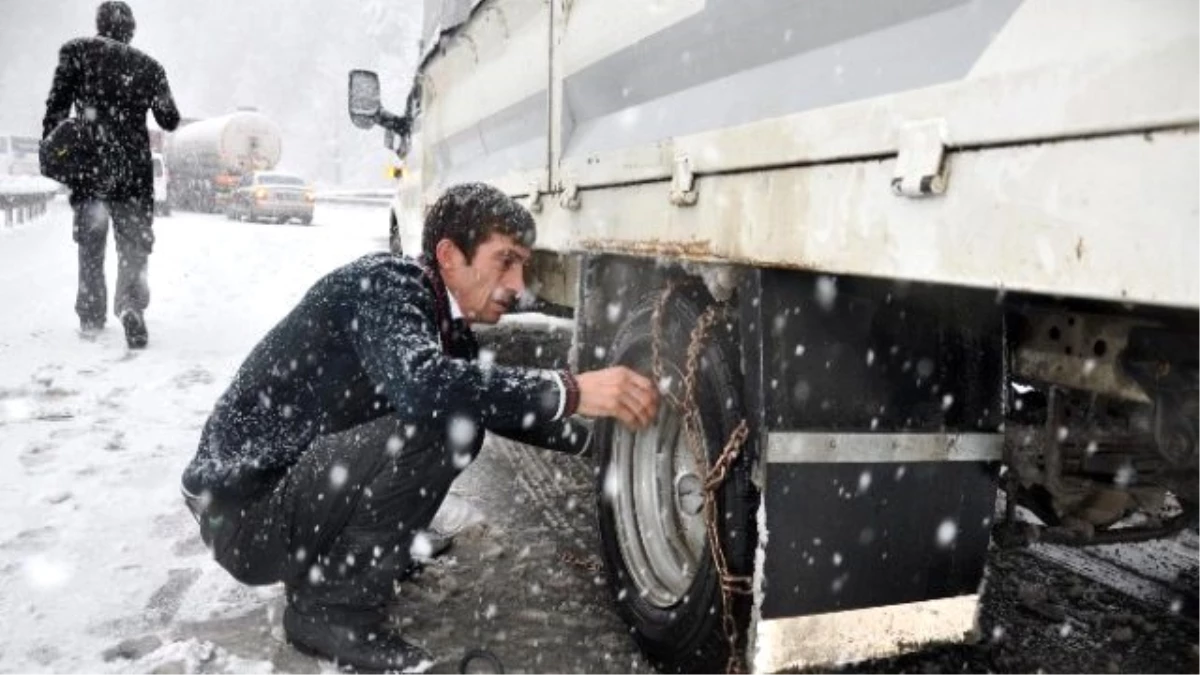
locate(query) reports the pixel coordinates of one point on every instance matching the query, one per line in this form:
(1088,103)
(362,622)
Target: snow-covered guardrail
(25,197)
(363,197)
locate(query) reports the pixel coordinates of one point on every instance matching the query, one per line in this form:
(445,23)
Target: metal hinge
(570,197)
(921,167)
(683,182)
(535,198)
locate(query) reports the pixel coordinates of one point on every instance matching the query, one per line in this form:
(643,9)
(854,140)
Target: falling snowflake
(338,475)
(462,431)
(612,486)
(864,481)
(487,358)
(839,583)
(462,460)
(394,445)
(947,532)
(613,312)
(826,292)
(925,368)
(1125,475)
(421,547)
(664,384)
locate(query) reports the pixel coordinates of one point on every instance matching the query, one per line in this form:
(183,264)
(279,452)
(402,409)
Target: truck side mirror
(364,100)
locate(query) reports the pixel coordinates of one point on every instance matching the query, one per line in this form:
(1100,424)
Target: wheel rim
(658,506)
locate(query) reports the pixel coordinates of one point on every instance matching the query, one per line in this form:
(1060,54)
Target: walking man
(111,86)
(326,459)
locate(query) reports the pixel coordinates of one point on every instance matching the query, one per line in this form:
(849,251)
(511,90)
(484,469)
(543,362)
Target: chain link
(714,475)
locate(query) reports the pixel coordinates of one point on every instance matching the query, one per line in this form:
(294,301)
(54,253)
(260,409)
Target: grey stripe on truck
(512,139)
(739,61)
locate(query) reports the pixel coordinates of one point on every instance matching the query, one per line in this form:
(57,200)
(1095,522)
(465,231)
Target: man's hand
(618,392)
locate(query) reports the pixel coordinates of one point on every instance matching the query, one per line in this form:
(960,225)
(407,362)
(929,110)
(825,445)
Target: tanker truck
(206,158)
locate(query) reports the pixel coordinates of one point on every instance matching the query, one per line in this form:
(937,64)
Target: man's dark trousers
(338,527)
(132,224)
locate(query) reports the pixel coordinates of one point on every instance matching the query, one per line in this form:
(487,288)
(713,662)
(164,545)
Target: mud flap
(881,432)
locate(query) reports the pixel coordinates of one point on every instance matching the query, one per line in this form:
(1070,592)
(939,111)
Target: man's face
(487,286)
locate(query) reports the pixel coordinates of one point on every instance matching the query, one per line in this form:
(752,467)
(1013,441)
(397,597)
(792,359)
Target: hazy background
(288,58)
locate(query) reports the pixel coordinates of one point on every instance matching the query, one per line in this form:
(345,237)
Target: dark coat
(372,338)
(115,85)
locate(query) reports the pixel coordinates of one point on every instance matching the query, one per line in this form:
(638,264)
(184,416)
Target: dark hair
(469,213)
(114,19)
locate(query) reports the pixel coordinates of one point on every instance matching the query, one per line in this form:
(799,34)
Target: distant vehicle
(162,206)
(207,159)
(271,195)
(19,156)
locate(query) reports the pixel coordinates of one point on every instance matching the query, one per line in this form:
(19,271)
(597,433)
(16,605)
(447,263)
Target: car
(273,195)
(162,206)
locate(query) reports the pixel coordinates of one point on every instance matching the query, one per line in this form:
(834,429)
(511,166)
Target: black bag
(70,154)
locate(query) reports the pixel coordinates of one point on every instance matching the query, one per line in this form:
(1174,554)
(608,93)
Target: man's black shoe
(136,335)
(369,647)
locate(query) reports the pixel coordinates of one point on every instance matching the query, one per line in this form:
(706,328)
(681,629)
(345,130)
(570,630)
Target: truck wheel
(652,528)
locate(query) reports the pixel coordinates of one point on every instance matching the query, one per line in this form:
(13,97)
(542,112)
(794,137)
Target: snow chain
(714,475)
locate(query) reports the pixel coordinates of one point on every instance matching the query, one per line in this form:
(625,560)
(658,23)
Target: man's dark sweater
(372,338)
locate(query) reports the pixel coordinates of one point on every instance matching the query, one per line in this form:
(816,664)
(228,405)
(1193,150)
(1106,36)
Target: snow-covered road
(95,547)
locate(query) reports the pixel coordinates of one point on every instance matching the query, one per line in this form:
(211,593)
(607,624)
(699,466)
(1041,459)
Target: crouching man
(294,482)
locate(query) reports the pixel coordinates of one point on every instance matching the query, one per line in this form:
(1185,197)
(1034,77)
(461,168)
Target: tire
(676,615)
(306,220)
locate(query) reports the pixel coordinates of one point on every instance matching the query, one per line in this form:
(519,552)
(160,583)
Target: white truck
(884,258)
(206,159)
